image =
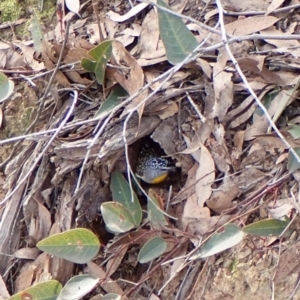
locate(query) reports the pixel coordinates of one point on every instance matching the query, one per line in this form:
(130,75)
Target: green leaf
(102,49)
(101,54)
(88,64)
(268,227)
(117,217)
(122,193)
(154,214)
(36,33)
(266,101)
(154,248)
(294,130)
(77,287)
(77,245)
(219,242)
(112,100)
(293,163)
(6,87)
(48,290)
(179,42)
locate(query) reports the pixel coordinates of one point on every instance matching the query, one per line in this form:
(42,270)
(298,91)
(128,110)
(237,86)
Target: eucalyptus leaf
(179,42)
(153,249)
(269,227)
(123,194)
(47,290)
(219,242)
(78,245)
(117,217)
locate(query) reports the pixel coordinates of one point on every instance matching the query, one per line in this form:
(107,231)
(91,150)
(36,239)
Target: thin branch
(261,12)
(236,65)
(42,100)
(39,158)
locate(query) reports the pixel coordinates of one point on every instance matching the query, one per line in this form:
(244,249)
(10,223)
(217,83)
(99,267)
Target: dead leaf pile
(203,117)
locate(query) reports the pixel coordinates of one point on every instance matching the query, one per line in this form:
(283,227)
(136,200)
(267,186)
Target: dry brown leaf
(27,253)
(274,5)
(260,123)
(175,268)
(246,5)
(283,157)
(14,60)
(59,76)
(281,208)
(149,38)
(44,222)
(93,32)
(2,58)
(222,198)
(178,77)
(114,263)
(25,277)
(223,87)
(242,26)
(109,285)
(28,56)
(76,78)
(254,157)
(205,176)
(189,187)
(250,25)
(170,110)
(83,44)
(205,67)
(202,226)
(154,297)
(128,74)
(149,62)
(237,151)
(246,107)
(193,147)
(255,85)
(75,55)
(150,76)
(3,290)
(127,36)
(193,210)
(286,46)
(256,65)
(220,155)
(166,134)
(4,45)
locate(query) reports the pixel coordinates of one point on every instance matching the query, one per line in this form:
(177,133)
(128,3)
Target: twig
(42,100)
(87,155)
(261,12)
(236,65)
(8,24)
(202,118)
(206,27)
(101,36)
(168,75)
(64,121)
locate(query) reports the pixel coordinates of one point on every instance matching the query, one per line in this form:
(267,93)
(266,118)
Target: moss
(10,10)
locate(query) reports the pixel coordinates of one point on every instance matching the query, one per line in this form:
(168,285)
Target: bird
(152,168)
